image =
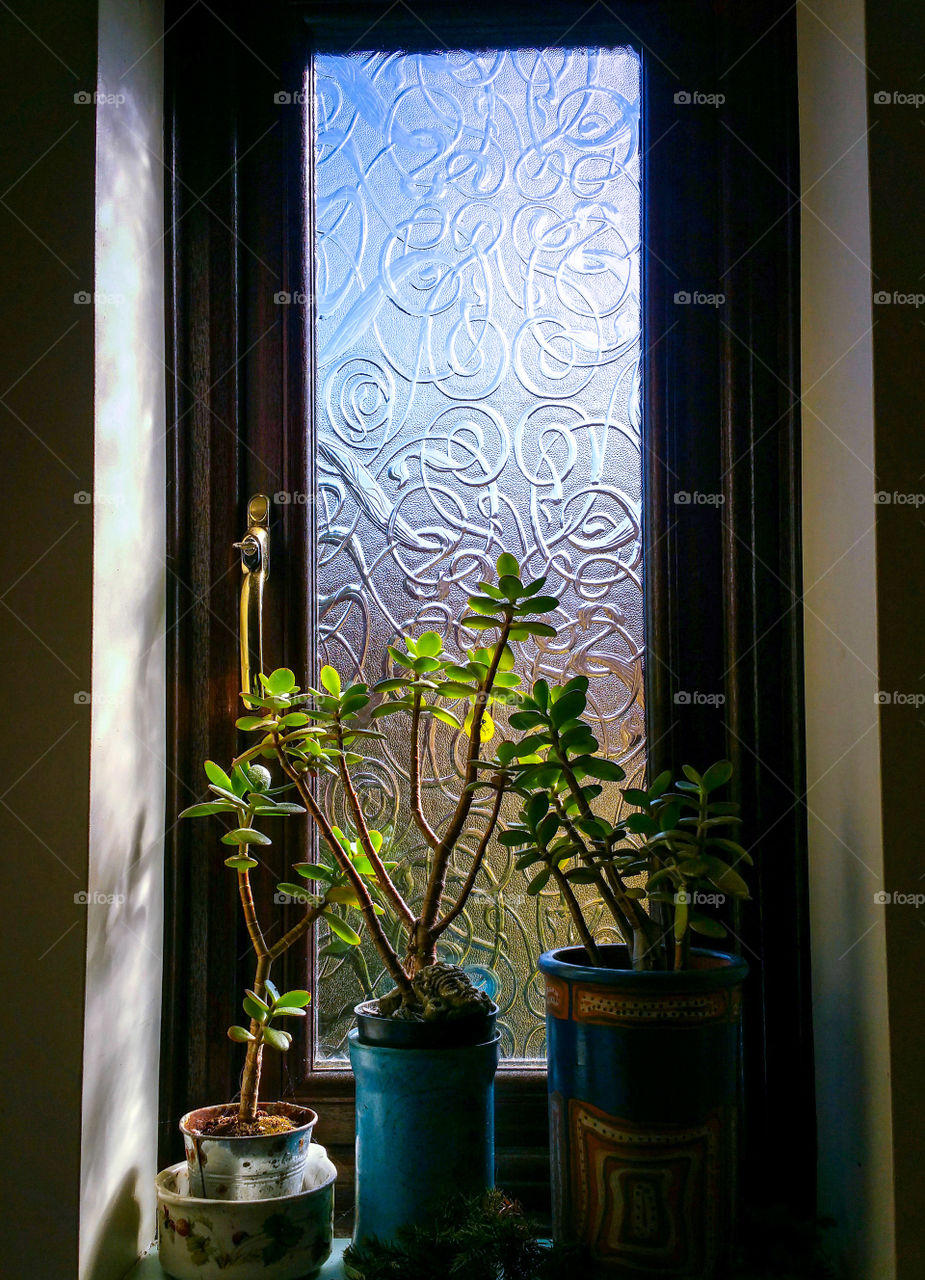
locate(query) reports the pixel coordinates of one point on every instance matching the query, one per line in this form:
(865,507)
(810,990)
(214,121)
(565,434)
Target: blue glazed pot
(425,1131)
(644,1090)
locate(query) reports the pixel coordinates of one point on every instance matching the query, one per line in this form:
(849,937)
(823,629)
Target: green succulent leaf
(207,809)
(283,809)
(297,891)
(507,566)
(245,835)
(390,685)
(632,795)
(276,1039)
(249,723)
(280,681)
(217,775)
(599,767)
(238,862)
(341,928)
(389,709)
(705,925)
(240,1035)
(539,881)
(717,775)
(567,707)
(541,604)
(581,875)
(293,1000)
(521,630)
(483,605)
(255,1007)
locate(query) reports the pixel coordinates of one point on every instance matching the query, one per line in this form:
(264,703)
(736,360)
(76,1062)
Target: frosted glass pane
(477,224)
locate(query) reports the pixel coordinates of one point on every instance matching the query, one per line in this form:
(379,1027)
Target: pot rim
(353,1035)
(174,1197)
(362,1012)
(312,1119)
(720,969)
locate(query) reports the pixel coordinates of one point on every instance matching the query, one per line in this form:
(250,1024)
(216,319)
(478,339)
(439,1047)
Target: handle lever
(255,568)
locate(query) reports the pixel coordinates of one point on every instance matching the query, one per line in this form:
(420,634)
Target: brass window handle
(255,569)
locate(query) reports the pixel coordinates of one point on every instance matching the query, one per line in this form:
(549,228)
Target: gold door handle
(255,568)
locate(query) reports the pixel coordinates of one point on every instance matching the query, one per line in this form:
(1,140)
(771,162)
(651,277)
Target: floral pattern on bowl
(282,1239)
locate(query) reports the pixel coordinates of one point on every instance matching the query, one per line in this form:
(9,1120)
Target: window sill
(148,1267)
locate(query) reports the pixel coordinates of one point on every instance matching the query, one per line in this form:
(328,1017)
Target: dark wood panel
(719,419)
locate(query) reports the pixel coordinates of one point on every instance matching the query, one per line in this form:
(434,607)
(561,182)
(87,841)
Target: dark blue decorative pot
(425,1130)
(644,1089)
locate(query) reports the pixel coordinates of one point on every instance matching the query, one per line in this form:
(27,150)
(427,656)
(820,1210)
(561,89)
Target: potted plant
(425,1054)
(643,1029)
(255,1194)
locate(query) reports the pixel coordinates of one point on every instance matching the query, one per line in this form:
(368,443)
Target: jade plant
(245,795)
(647,875)
(322,732)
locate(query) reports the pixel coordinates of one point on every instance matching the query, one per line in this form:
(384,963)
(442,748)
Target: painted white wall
(123,989)
(843,742)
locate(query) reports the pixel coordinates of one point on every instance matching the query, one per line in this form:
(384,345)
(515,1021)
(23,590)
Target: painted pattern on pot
(644,1086)
(282,1239)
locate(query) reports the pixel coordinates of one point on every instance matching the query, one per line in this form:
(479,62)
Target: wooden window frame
(723,585)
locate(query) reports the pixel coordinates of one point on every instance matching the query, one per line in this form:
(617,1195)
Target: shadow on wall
(120,1219)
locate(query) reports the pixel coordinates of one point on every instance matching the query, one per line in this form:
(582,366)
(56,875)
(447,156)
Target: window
(476,389)
(699,404)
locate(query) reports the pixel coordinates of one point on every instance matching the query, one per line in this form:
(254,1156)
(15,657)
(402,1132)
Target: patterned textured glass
(476,227)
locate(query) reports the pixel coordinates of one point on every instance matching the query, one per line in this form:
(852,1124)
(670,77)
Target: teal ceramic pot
(644,1094)
(424,1130)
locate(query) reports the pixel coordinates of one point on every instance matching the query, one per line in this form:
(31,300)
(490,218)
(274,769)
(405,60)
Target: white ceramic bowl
(282,1239)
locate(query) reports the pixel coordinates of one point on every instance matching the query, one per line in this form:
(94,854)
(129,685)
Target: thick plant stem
(463,895)
(383,879)
(414,775)
(437,882)
(638,921)
(250,1081)
(386,951)
(577,917)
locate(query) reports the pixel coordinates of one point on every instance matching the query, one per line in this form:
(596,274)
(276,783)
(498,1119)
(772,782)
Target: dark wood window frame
(722,417)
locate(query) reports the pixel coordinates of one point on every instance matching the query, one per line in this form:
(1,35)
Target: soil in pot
(231,1125)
